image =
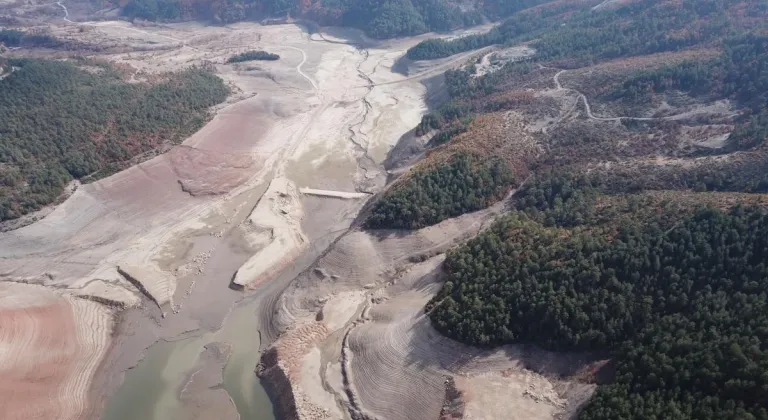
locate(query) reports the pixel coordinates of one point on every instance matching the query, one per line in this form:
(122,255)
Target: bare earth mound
(357,343)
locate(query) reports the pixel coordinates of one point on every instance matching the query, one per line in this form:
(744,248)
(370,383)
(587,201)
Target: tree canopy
(465,183)
(61,122)
(684,309)
(253,55)
(574,30)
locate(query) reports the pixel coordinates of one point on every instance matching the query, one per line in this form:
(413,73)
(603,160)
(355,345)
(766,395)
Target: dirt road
(588,108)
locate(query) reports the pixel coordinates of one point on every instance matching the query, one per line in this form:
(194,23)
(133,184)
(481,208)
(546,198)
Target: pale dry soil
(355,342)
(239,240)
(162,251)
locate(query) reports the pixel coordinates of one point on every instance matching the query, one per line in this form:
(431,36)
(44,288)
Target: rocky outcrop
(281,369)
(278,386)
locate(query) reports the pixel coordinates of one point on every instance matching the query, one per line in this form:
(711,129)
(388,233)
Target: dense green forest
(526,22)
(61,122)
(390,18)
(253,55)
(684,308)
(153,9)
(738,74)
(378,18)
(741,73)
(583,35)
(605,259)
(558,199)
(747,175)
(466,183)
(457,187)
(466,94)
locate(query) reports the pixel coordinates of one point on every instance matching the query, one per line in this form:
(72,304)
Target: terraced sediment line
(391,363)
(332,292)
(400,364)
(155,284)
(382,351)
(93,328)
(50,347)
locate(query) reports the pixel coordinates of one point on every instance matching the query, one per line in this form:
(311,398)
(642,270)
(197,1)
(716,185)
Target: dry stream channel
(331,110)
(238,242)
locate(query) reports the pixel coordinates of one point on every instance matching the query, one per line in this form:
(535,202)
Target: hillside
(66,120)
(637,230)
(378,18)
(620,100)
(681,306)
(578,32)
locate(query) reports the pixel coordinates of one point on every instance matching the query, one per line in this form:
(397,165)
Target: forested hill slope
(639,231)
(679,300)
(689,76)
(576,31)
(75,119)
(378,18)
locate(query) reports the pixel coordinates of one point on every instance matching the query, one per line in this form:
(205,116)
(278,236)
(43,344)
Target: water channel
(150,390)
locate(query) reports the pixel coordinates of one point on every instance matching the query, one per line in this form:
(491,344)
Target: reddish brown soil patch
(41,344)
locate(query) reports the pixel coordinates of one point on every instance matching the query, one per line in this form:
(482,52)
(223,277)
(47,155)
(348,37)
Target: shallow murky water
(240,381)
(151,389)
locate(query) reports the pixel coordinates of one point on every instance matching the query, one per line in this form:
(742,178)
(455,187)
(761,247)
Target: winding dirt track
(590,115)
(66,12)
(107,23)
(298,66)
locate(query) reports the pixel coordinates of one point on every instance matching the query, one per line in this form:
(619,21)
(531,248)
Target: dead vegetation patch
(499,134)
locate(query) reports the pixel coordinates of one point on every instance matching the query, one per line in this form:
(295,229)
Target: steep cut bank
(357,316)
(274,224)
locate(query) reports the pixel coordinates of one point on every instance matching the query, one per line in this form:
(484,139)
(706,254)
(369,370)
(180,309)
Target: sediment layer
(51,346)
